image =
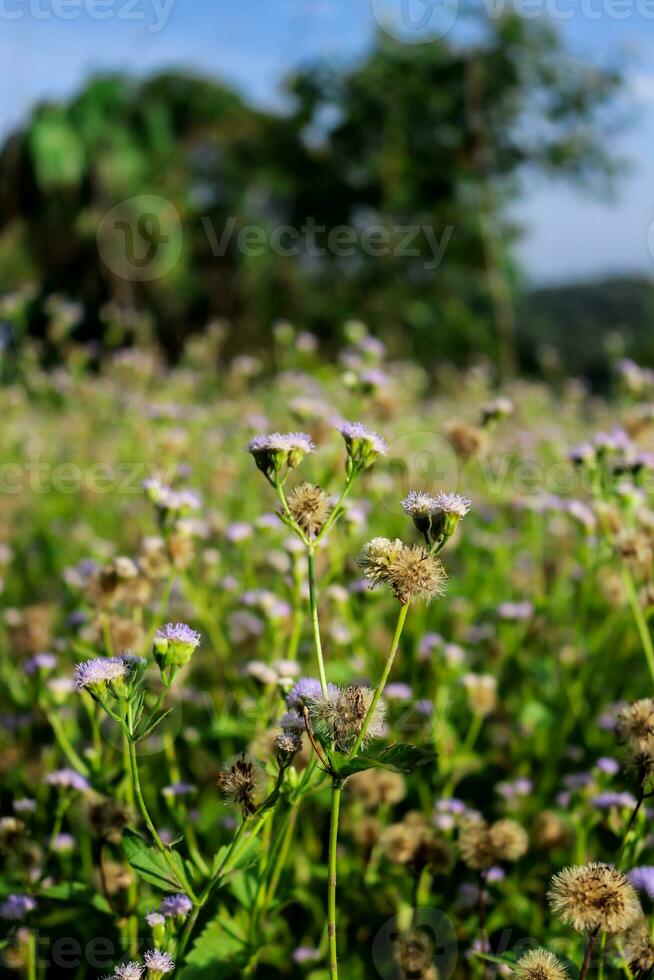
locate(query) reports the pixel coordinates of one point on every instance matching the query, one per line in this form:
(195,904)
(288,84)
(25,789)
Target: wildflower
(642,879)
(339,717)
(128,971)
(303,693)
(239,782)
(40,662)
(277,453)
(415,954)
(17,907)
(176,907)
(63,844)
(639,950)
(496,409)
(176,790)
(100,674)
(635,722)
(288,744)
(68,779)
(158,963)
(305,954)
(168,500)
(24,805)
(377,787)
(481,690)
(155,919)
(539,964)
(482,845)
(363,446)
(309,506)
(174,644)
(609,799)
(420,507)
(410,570)
(594,896)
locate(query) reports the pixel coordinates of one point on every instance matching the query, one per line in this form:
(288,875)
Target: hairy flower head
(539,964)
(240,781)
(363,446)
(592,896)
(17,907)
(279,452)
(309,506)
(338,718)
(174,644)
(158,963)
(437,516)
(410,570)
(95,676)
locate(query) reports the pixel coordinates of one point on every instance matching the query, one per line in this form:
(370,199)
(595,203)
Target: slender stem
(65,743)
(589,953)
(313,601)
(161,847)
(331,889)
(31,955)
(401,619)
(630,826)
(641,625)
(338,507)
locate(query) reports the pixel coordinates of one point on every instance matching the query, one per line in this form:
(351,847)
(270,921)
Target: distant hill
(588,324)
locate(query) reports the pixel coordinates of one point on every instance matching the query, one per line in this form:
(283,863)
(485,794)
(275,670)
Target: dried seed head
(108,818)
(240,782)
(466,440)
(481,690)
(639,950)
(551,830)
(411,571)
(309,505)
(482,845)
(594,896)
(539,964)
(339,717)
(508,840)
(376,787)
(636,721)
(415,954)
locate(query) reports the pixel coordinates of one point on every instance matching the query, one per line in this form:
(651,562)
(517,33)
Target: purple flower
(397,691)
(425,707)
(40,661)
(642,879)
(284,442)
(360,441)
(604,801)
(17,906)
(158,962)
(515,611)
(68,779)
(179,789)
(307,689)
(608,765)
(577,780)
(24,805)
(238,531)
(63,844)
(517,787)
(176,906)
(179,633)
(154,919)
(128,971)
(95,674)
(305,954)
(493,875)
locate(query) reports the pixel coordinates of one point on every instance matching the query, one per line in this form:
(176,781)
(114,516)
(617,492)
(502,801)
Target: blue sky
(48,47)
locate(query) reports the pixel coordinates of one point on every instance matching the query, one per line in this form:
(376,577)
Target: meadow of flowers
(329,670)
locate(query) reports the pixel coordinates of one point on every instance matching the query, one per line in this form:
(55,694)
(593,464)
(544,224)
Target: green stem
(338,508)
(641,625)
(401,619)
(65,743)
(161,847)
(331,888)
(313,601)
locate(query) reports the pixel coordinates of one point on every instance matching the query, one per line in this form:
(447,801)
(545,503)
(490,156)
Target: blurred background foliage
(442,135)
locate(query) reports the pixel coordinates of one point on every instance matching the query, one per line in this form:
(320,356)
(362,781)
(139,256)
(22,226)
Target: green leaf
(220,952)
(57,150)
(400,757)
(151,865)
(76,891)
(247,854)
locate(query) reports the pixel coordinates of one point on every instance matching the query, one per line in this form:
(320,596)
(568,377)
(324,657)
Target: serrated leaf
(400,757)
(220,952)
(150,865)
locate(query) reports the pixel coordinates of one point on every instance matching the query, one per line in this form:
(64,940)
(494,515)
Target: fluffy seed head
(639,950)
(635,722)
(482,845)
(508,839)
(539,964)
(239,782)
(309,506)
(410,570)
(339,717)
(592,896)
